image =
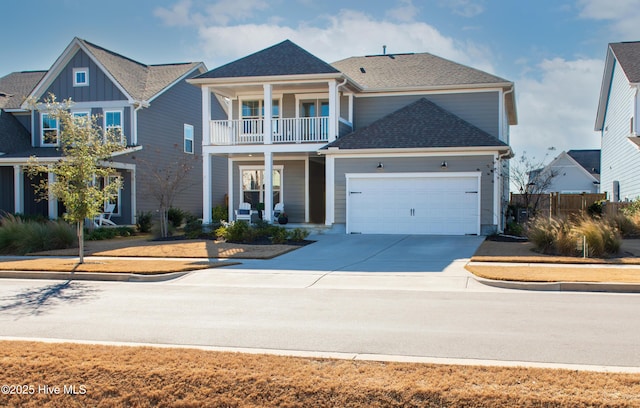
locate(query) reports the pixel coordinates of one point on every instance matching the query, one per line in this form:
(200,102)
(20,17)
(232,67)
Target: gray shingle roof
(15,87)
(141,81)
(411,70)
(421,124)
(285,58)
(628,55)
(589,159)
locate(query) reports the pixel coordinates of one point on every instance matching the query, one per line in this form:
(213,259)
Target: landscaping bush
(176,216)
(234,231)
(102,233)
(20,237)
(543,232)
(219,213)
(144,221)
(298,235)
(624,225)
(279,235)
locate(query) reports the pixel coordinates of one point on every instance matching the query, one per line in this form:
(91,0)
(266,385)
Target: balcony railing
(285,130)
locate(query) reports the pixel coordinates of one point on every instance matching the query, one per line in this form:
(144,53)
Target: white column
(134,196)
(230,199)
(306,190)
(351,108)
(18,190)
(52,202)
(268,186)
(497,191)
(333,114)
(206,188)
(268,113)
(206,116)
(330,172)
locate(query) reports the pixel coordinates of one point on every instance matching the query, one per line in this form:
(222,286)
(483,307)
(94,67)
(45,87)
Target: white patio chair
(105,217)
(277,210)
(243,213)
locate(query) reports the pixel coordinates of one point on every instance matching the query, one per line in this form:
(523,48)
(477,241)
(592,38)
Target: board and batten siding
(100,88)
(419,165)
(620,159)
(481,109)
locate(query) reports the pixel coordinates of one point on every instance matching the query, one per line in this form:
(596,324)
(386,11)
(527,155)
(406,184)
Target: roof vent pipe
(384,50)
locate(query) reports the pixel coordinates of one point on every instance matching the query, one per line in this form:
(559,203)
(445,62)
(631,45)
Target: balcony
(285,130)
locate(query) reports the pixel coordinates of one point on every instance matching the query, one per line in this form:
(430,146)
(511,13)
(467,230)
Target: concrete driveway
(373,253)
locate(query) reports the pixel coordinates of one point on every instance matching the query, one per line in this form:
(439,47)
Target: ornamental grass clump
(567,236)
(19,237)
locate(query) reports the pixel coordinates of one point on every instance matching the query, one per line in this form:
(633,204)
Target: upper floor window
(82,117)
(113,123)
(49,130)
(81,77)
(188,138)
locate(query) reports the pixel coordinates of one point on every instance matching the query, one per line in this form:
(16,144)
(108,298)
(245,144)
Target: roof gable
(628,55)
(588,159)
(285,58)
(137,81)
(421,124)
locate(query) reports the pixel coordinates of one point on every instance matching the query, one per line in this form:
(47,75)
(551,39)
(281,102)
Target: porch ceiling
(234,90)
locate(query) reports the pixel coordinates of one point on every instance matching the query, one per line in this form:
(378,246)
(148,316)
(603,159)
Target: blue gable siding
(100,88)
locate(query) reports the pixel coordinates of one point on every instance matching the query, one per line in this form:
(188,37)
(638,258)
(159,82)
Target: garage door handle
(471,192)
(355,192)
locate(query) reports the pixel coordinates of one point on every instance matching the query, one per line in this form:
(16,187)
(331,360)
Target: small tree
(531,180)
(166,181)
(86,151)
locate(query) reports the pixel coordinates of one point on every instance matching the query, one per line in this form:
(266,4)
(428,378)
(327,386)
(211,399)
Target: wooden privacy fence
(562,205)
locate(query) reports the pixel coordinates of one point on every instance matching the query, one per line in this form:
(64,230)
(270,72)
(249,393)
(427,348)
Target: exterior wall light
(443,165)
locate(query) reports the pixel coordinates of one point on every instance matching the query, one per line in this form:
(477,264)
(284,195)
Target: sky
(553,50)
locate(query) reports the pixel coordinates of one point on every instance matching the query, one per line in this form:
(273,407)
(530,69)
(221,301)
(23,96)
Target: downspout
(134,133)
(344,82)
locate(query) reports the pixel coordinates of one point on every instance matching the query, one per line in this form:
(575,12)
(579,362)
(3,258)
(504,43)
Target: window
(49,131)
(252,113)
(113,123)
(82,117)
(81,77)
(252,185)
(188,138)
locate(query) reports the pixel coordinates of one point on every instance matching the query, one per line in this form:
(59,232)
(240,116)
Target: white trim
(497,191)
(206,189)
(18,189)
(100,105)
(80,70)
(262,148)
(307,199)
(52,202)
(330,190)
(435,90)
(243,167)
(206,115)
(134,195)
(104,121)
(230,200)
(468,174)
(434,152)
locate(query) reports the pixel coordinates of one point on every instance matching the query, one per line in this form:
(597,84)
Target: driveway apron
(372,253)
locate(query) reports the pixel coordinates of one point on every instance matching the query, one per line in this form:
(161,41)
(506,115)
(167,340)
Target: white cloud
(622,14)
(346,34)
(221,12)
(178,15)
(405,12)
(559,109)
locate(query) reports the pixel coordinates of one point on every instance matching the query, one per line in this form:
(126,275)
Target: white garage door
(415,203)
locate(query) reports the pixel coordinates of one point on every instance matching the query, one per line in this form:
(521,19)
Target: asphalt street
(436,314)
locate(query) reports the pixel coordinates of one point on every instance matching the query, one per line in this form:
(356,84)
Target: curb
(562,286)
(92,276)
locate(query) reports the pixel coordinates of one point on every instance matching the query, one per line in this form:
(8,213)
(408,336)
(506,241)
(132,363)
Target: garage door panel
(445,205)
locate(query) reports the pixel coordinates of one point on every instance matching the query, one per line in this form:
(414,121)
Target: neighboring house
(156,111)
(617,122)
(575,171)
(394,143)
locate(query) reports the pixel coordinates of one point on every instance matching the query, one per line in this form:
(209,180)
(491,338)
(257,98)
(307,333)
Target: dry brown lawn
(546,273)
(107,376)
(144,267)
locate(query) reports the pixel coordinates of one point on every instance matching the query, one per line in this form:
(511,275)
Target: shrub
(597,208)
(193,227)
(102,233)
(298,235)
(624,224)
(279,235)
(542,232)
(21,237)
(234,231)
(219,213)
(144,221)
(516,229)
(176,216)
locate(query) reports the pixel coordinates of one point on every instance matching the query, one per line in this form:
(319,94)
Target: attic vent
(362,70)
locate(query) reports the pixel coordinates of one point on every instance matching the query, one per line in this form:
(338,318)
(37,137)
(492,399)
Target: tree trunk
(164,222)
(80,230)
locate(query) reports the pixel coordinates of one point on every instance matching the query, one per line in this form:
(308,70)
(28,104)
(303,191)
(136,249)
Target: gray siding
(418,165)
(100,86)
(161,135)
(478,108)
(6,189)
(219,180)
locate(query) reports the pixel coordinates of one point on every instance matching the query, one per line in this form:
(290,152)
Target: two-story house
(152,106)
(617,121)
(392,143)
(571,172)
